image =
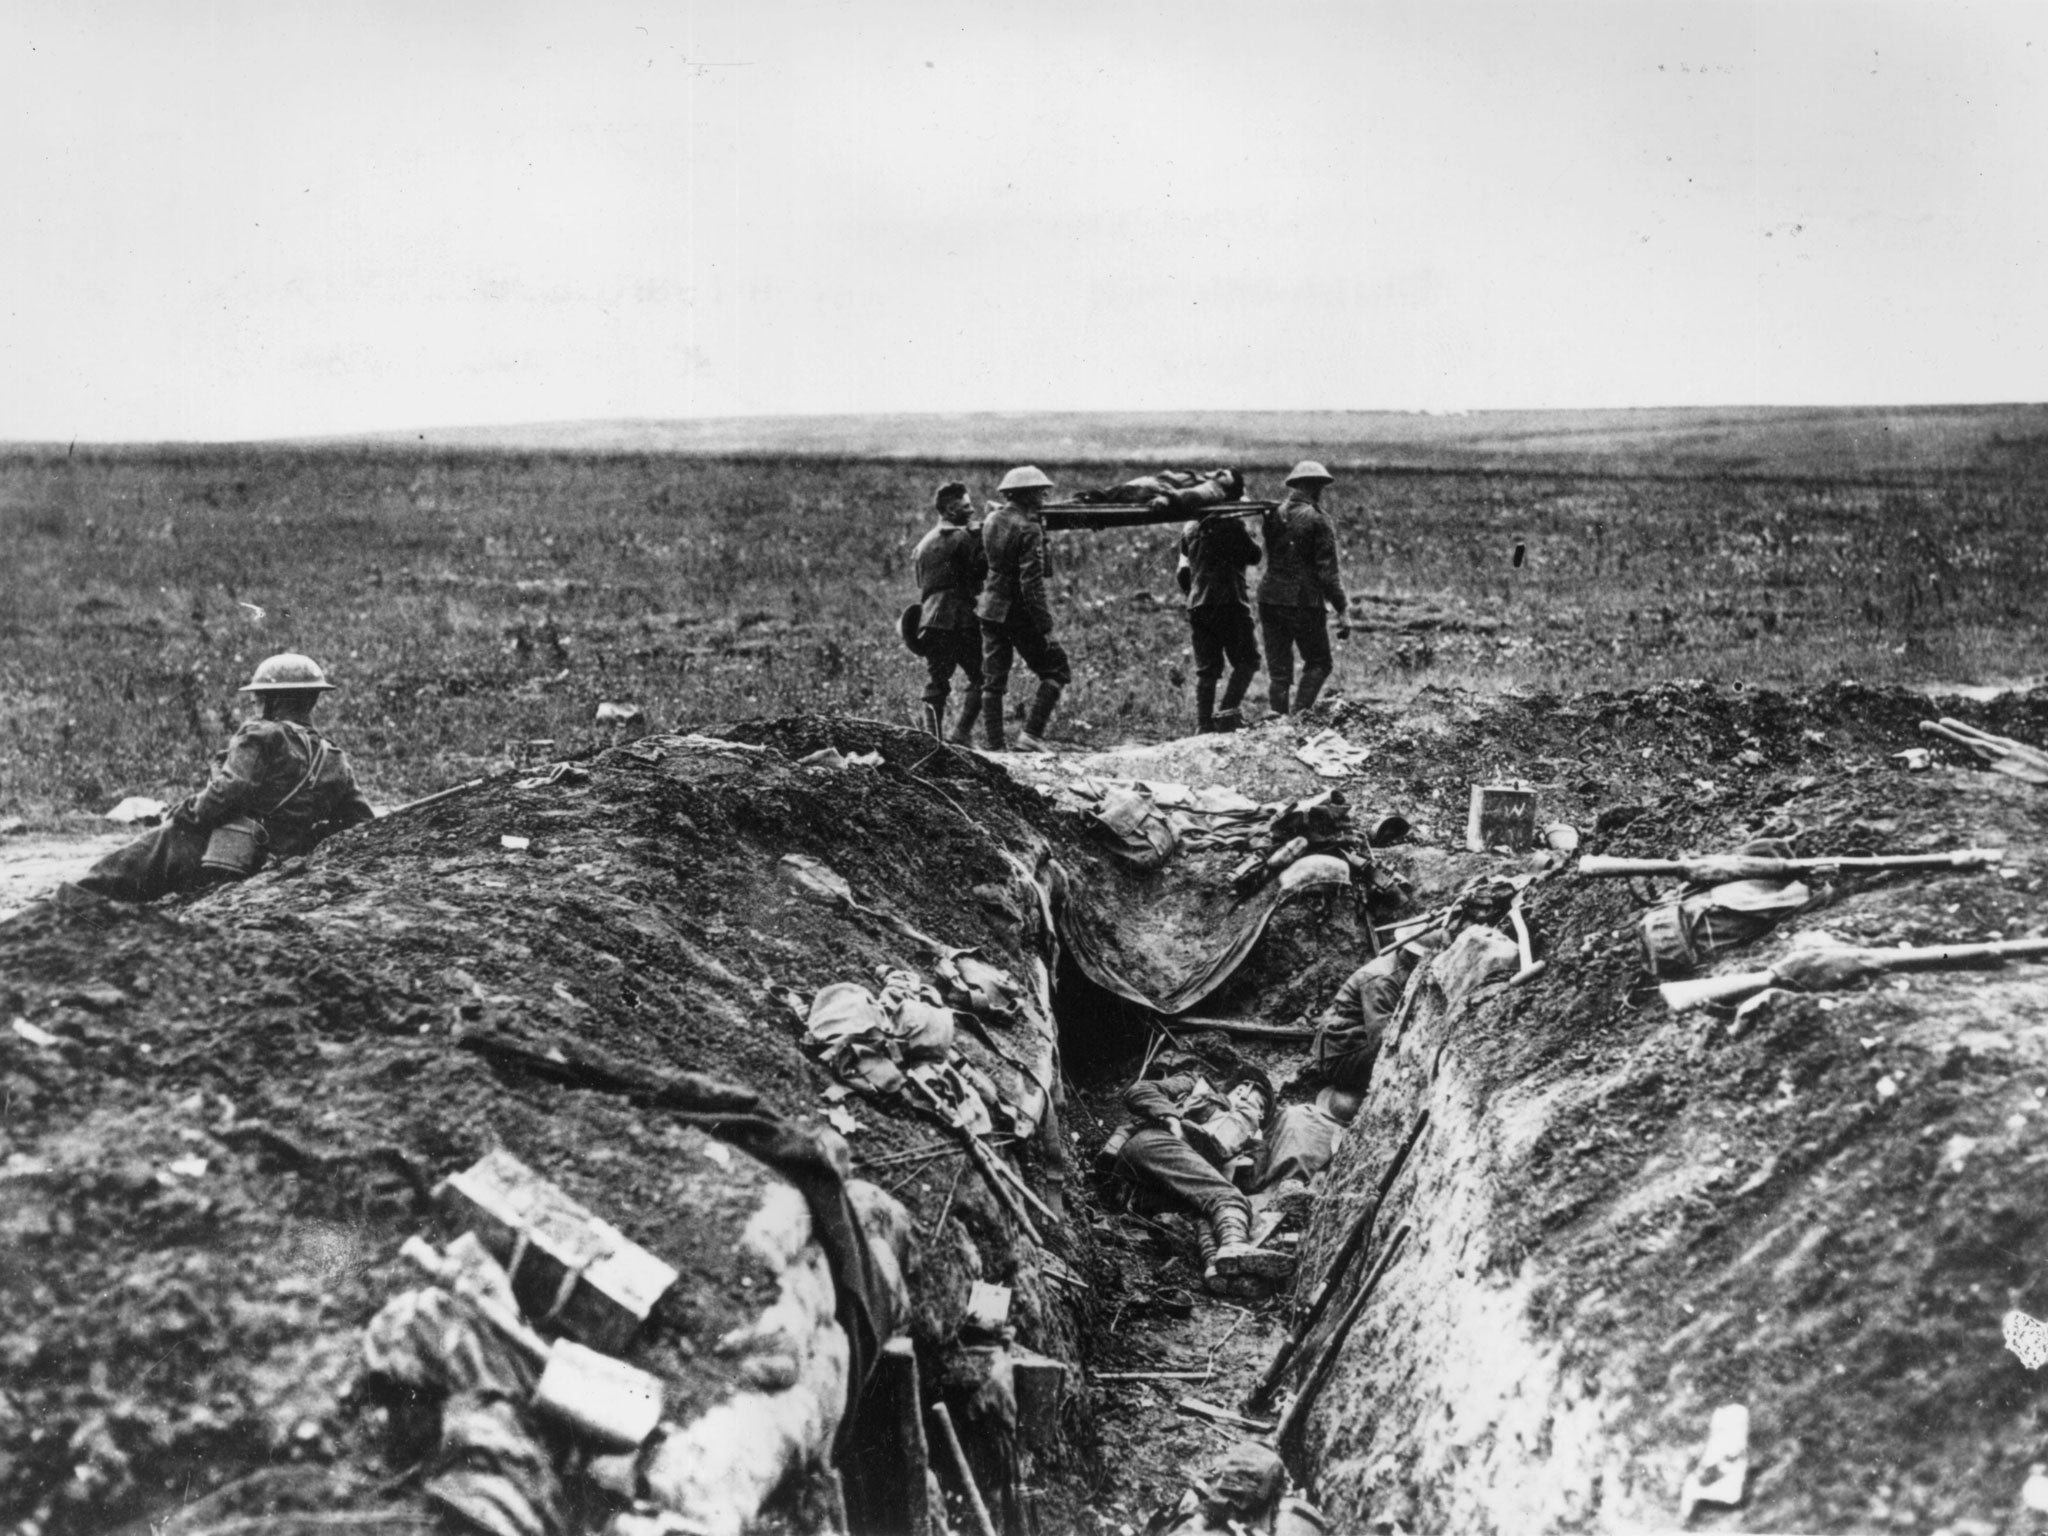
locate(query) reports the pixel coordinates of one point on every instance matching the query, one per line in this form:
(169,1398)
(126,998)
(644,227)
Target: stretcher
(1083,516)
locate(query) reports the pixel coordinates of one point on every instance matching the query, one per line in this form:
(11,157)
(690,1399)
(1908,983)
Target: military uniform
(1016,619)
(951,566)
(295,784)
(1214,555)
(1351,1031)
(1154,1157)
(1301,576)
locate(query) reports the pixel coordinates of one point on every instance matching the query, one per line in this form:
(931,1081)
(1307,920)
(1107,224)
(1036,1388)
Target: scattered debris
(9,825)
(576,1271)
(1331,756)
(621,723)
(1501,816)
(832,757)
(601,1400)
(514,844)
(843,1121)
(2027,1337)
(35,1034)
(1724,1464)
(1914,759)
(138,811)
(949,1437)
(988,1307)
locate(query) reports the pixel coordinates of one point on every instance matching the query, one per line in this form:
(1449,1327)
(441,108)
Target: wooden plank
(1196,1408)
(1292,1032)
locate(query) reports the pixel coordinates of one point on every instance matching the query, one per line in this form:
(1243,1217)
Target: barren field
(221,1117)
(474,603)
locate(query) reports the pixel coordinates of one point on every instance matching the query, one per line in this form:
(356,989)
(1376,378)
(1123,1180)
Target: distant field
(1840,442)
(476,602)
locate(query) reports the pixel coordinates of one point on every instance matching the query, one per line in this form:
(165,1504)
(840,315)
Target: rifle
(2001,754)
(1715,868)
(1347,1251)
(1815,970)
(439,794)
(1326,1362)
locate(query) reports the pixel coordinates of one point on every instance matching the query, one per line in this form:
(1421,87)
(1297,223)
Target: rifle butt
(1681,995)
(1600,867)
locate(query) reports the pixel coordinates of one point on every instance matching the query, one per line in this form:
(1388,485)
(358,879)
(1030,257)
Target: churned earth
(222,1118)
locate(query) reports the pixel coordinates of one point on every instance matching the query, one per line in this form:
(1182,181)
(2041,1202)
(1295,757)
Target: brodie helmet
(287,672)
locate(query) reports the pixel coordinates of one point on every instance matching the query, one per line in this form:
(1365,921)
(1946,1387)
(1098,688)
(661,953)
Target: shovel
(606,1403)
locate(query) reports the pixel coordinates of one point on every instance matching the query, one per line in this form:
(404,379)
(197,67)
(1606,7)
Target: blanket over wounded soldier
(1181,490)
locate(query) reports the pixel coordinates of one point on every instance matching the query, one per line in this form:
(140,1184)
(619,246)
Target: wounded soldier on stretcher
(1180,489)
(1199,1132)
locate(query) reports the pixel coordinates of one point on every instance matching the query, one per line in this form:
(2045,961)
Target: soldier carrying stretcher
(950,566)
(277,790)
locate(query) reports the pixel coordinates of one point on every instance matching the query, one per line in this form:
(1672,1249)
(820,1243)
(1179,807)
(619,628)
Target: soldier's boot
(1312,680)
(1276,692)
(931,720)
(1043,702)
(970,711)
(992,717)
(1205,705)
(1237,1268)
(1240,683)
(1208,1242)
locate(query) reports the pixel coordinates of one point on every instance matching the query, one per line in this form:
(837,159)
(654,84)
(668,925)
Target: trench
(1155,1339)
(1619,1221)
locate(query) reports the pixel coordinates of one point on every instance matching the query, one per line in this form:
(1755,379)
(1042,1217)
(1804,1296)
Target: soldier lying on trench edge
(277,790)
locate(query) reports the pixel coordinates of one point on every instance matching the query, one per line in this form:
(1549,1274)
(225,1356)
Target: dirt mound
(1624,1218)
(222,1116)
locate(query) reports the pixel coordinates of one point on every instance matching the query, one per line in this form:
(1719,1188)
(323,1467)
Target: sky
(242,220)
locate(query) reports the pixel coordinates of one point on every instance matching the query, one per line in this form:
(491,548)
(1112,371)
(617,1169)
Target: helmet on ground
(1309,472)
(1340,1104)
(287,672)
(1025,477)
(1312,870)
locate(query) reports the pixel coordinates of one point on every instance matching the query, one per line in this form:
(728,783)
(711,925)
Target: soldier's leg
(1048,658)
(967,644)
(1207,641)
(1241,646)
(1312,634)
(939,661)
(155,864)
(1161,1161)
(996,652)
(1279,654)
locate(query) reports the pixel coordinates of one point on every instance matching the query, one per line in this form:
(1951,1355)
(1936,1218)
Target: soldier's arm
(1031,575)
(237,783)
(1243,547)
(1152,1102)
(1347,1008)
(1324,564)
(353,807)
